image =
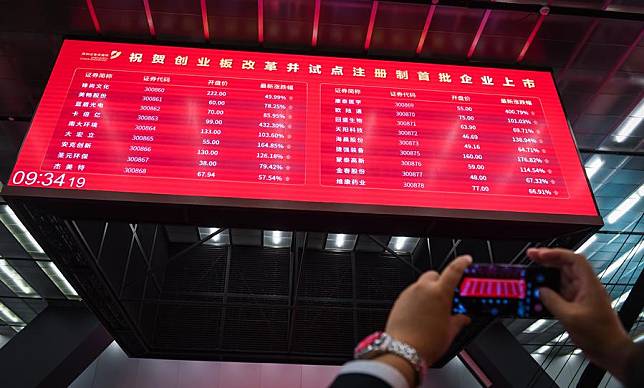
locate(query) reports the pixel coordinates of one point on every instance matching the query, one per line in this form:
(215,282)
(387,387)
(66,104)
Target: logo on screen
(115,54)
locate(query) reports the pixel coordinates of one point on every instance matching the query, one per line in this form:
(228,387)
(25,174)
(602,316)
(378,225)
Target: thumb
(554,302)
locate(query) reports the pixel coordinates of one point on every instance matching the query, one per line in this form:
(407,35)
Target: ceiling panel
(618,32)
(500,49)
(394,41)
(343,24)
(179,7)
(397,28)
(397,15)
(174,26)
(564,28)
(122,18)
(509,23)
(595,124)
(177,20)
(599,57)
(451,32)
(233,22)
(551,52)
(15,98)
(63,16)
(288,23)
(635,64)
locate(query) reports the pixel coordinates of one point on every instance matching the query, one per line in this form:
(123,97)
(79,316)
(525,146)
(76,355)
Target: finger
(457,323)
(554,257)
(554,302)
(428,277)
(454,271)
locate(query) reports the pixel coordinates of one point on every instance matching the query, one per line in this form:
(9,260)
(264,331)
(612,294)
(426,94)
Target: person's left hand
(422,314)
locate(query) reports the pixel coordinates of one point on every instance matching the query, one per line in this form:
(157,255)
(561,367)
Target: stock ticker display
(134,118)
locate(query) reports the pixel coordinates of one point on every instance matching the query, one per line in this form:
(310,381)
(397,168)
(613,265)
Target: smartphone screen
(504,291)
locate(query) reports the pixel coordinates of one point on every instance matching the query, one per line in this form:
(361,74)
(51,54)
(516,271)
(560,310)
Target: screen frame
(559,221)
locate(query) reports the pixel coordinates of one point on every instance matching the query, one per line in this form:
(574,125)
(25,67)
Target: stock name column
(79,122)
(343,140)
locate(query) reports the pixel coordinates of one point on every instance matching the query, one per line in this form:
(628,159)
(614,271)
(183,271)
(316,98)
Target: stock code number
(47,179)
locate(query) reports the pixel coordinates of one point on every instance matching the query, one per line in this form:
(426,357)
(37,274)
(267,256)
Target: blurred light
(618,302)
(577,351)
(277,239)
(221,238)
(546,348)
(562,338)
(625,206)
(630,123)
(586,244)
(11,318)
(54,274)
(340,242)
(14,281)
(401,244)
(539,326)
(17,228)
(593,165)
(640,337)
(543,350)
(617,263)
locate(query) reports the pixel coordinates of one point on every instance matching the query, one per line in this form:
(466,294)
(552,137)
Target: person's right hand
(584,309)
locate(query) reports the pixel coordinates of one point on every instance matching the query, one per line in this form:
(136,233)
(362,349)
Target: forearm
(627,365)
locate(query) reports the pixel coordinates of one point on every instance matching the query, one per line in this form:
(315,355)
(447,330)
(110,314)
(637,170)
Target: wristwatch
(380,343)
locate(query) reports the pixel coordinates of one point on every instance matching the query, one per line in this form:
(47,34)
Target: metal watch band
(405,351)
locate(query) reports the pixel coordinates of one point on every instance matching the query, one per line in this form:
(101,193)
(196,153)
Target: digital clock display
(193,122)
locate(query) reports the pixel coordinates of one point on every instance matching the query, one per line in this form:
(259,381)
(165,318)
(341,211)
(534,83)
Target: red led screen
(493,288)
(134,118)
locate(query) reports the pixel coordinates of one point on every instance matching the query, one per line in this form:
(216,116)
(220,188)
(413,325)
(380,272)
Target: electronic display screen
(194,122)
(504,290)
(493,288)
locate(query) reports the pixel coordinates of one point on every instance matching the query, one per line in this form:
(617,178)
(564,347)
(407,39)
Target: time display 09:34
(46,179)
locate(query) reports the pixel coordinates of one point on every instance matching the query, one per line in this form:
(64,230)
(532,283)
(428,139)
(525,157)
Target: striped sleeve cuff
(382,371)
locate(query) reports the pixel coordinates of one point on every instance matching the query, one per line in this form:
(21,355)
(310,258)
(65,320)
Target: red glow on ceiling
(530,39)
(92,14)
(479,32)
(428,22)
(316,23)
(260,21)
(204,20)
(148,16)
(372,21)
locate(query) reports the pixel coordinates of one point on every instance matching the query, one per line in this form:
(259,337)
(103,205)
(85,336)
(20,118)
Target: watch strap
(380,343)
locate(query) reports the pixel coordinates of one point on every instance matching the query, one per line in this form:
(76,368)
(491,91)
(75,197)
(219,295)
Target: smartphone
(509,291)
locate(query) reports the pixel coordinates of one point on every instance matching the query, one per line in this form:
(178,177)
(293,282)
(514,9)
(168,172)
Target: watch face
(370,339)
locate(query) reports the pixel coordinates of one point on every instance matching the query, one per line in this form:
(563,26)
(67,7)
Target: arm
(584,309)
(421,317)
